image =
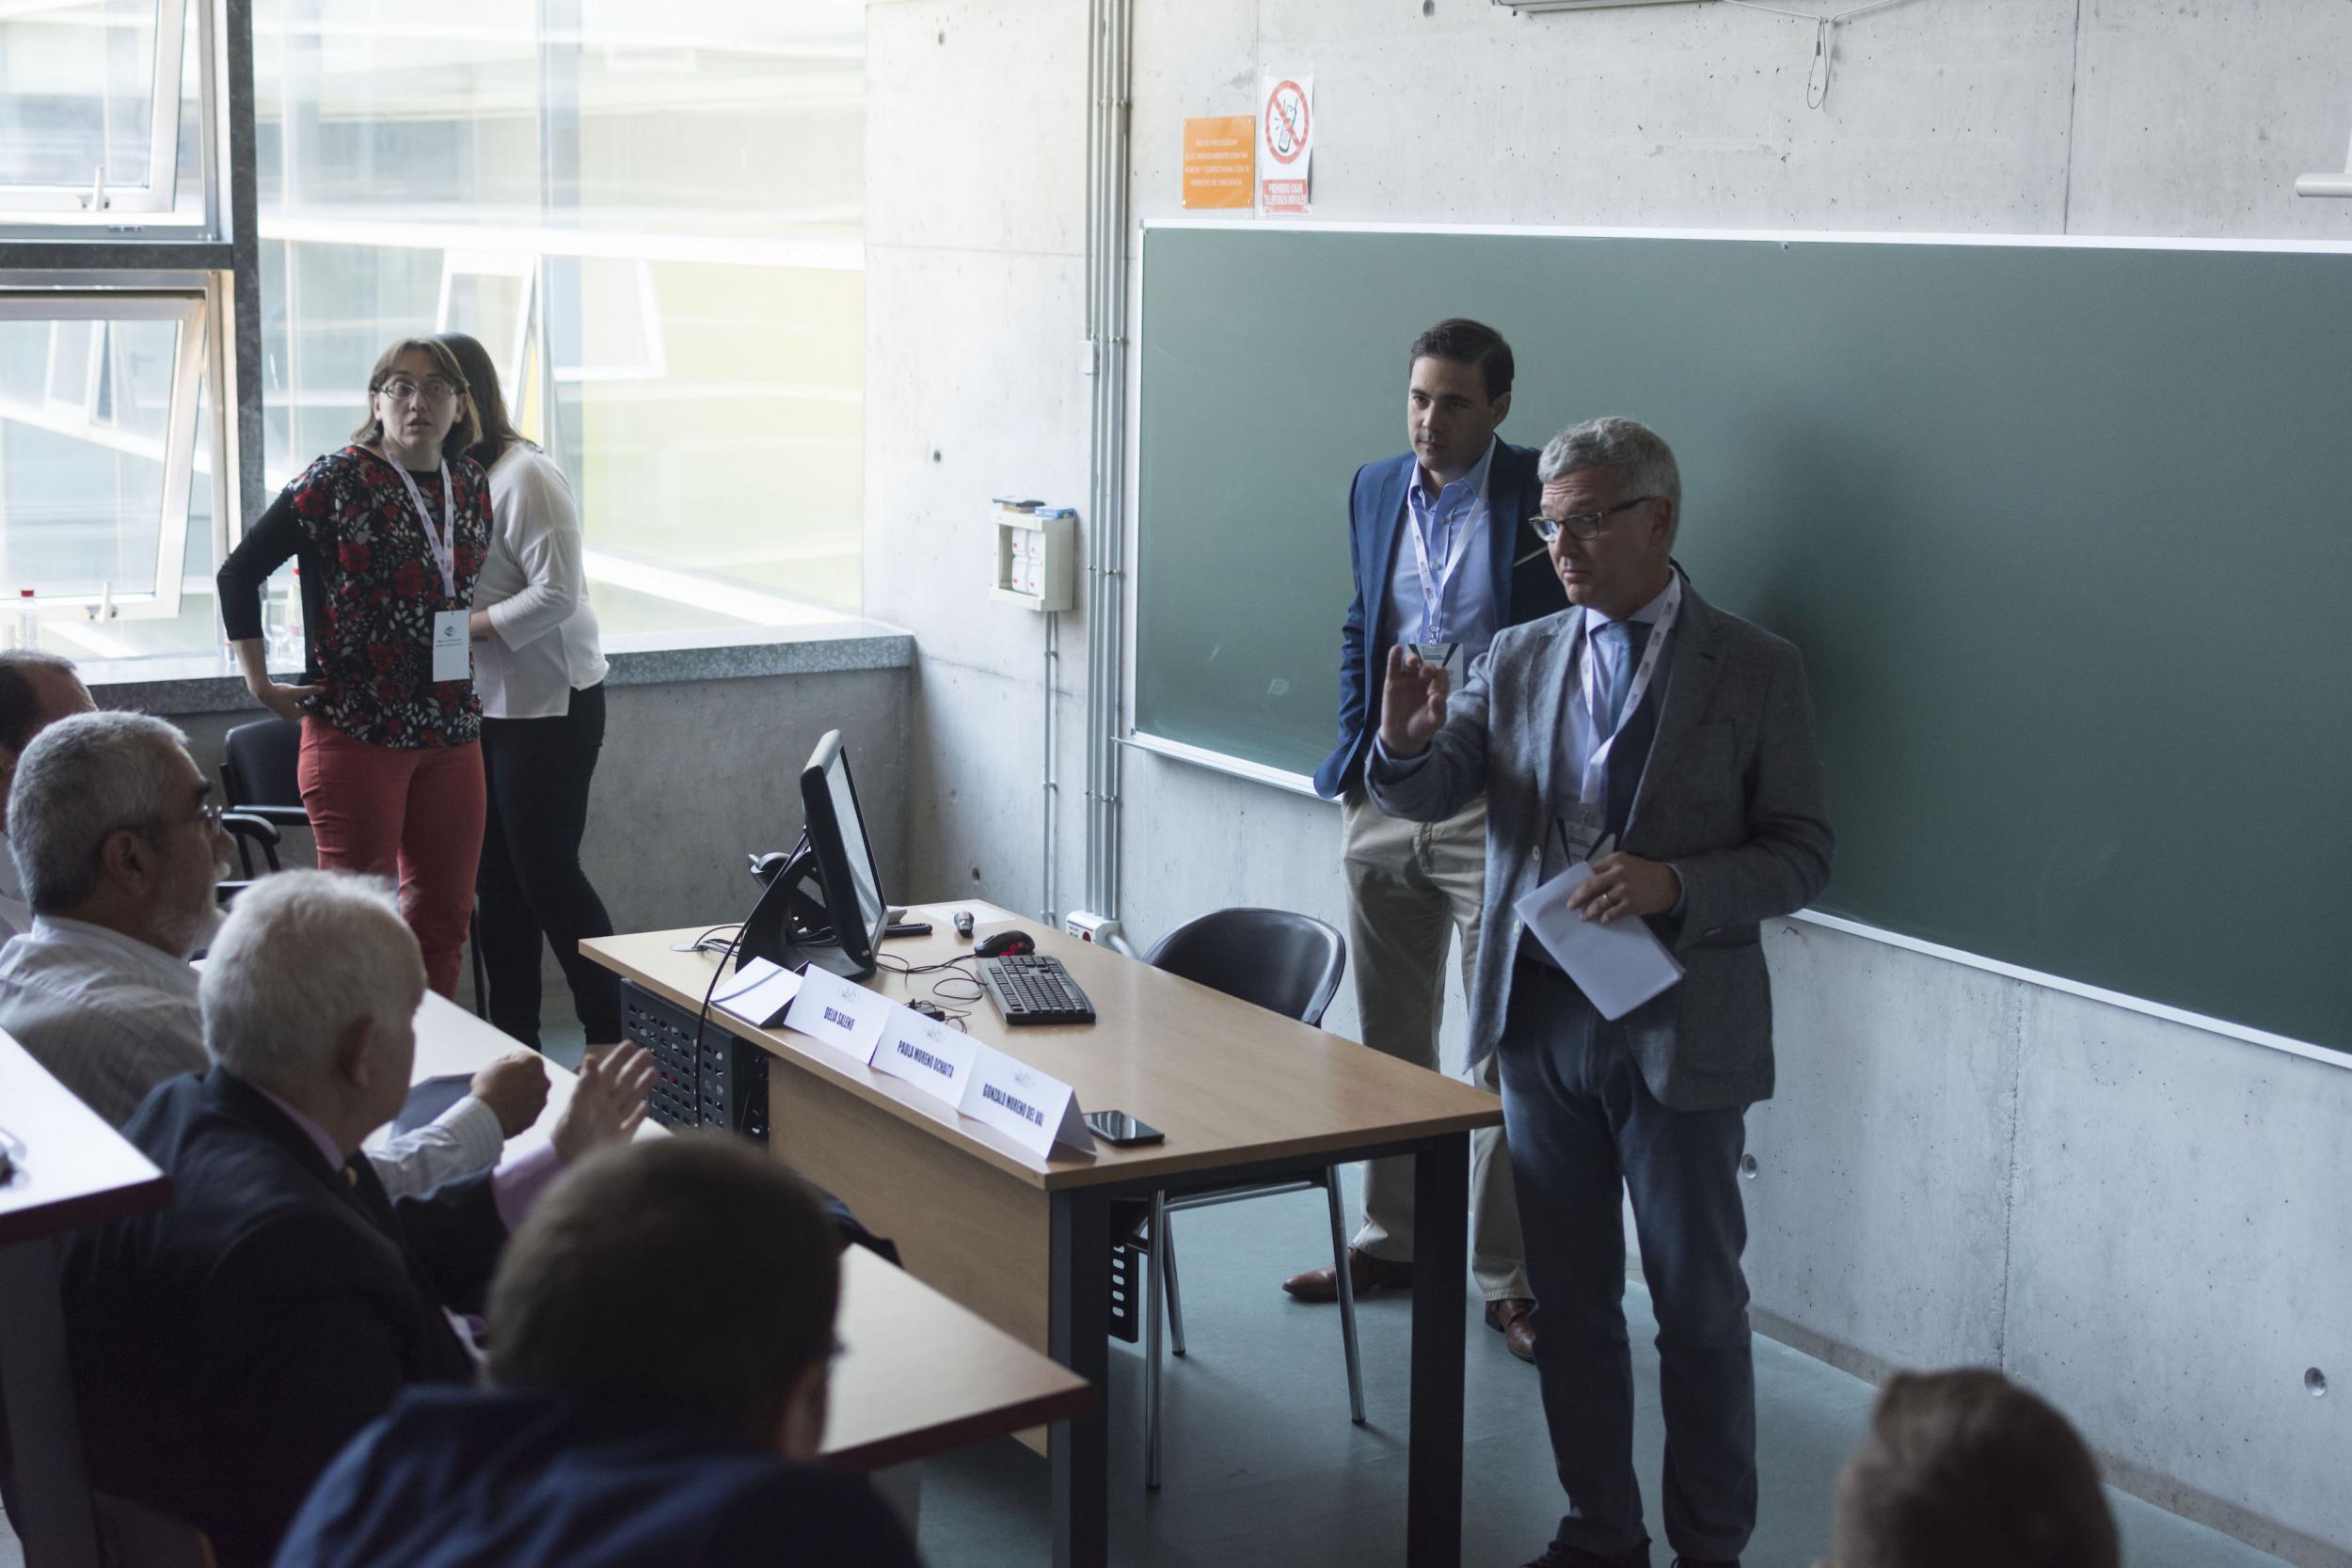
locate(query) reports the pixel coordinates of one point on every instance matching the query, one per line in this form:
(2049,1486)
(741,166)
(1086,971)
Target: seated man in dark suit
(660,1334)
(225,1347)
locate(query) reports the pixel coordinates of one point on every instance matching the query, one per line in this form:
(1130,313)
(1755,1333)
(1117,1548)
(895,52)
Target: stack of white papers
(1617,966)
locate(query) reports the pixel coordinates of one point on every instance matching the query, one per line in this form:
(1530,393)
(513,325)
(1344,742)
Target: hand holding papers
(1618,965)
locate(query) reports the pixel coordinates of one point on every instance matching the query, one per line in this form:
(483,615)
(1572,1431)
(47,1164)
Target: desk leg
(1080,1340)
(1433,1505)
(51,1506)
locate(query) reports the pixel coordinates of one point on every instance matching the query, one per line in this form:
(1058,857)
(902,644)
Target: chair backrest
(260,763)
(1286,963)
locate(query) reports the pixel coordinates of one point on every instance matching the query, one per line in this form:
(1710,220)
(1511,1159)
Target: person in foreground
(1670,746)
(588,1451)
(1962,1470)
(120,848)
(225,1347)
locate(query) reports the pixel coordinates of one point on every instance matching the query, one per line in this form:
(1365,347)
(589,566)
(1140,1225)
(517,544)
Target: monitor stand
(785,925)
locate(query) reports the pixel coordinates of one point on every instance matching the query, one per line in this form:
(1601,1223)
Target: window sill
(205,684)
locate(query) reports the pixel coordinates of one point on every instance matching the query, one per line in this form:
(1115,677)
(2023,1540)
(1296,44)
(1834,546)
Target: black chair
(260,766)
(1289,964)
(261,775)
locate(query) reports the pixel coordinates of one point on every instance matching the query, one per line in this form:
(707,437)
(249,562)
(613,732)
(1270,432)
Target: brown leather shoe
(1516,1317)
(1364,1272)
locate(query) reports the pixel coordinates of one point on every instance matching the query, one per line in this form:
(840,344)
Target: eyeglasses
(1581,525)
(401,389)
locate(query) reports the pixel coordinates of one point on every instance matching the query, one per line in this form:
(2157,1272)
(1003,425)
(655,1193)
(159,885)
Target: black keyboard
(1034,989)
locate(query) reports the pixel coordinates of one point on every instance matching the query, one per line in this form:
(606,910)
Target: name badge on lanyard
(452,645)
(1433,583)
(1583,827)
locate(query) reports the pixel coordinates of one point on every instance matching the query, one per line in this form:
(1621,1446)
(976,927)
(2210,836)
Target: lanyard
(1433,585)
(444,545)
(1596,782)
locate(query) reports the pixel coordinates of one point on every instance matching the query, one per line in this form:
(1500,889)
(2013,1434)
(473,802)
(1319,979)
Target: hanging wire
(1816,75)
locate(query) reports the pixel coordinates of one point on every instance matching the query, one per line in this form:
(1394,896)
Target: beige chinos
(1410,886)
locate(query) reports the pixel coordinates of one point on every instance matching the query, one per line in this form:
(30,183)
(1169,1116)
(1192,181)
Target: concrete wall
(2147,1221)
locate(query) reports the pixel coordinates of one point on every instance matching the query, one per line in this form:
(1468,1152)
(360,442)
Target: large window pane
(91,104)
(99,417)
(652,217)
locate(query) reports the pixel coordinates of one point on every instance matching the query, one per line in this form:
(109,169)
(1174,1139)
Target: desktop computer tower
(720,1083)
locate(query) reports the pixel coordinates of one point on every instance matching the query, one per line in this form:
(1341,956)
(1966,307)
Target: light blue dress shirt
(1470,615)
(1580,729)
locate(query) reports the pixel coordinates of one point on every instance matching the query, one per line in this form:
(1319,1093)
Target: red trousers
(413,814)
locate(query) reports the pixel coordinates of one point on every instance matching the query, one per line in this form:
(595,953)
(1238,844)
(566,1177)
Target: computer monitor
(826,905)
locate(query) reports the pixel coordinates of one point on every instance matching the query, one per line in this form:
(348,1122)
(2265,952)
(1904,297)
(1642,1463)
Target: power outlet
(1091,927)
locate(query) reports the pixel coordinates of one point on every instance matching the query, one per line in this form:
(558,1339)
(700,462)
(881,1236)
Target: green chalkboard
(2063,531)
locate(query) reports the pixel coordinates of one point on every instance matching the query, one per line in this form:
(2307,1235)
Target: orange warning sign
(1220,161)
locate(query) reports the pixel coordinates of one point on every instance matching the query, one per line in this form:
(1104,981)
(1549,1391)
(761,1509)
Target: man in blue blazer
(1669,746)
(1443,559)
(660,1340)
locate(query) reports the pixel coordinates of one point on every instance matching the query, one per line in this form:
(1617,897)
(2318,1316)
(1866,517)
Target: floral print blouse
(370,590)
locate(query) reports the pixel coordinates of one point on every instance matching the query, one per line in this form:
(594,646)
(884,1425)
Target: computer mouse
(1004,943)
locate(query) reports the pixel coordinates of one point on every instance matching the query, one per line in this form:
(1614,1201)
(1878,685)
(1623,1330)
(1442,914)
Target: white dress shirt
(543,646)
(110,1017)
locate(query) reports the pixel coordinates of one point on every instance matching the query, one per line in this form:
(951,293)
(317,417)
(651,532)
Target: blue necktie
(1625,640)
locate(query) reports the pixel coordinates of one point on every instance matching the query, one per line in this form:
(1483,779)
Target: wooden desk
(918,1375)
(72,1169)
(1242,1093)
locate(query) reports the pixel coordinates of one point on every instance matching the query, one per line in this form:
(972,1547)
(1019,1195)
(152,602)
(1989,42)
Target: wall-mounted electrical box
(1036,550)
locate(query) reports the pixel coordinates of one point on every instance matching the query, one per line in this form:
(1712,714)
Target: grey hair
(79,780)
(1638,455)
(302,957)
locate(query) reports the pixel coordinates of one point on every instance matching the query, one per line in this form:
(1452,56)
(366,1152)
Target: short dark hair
(497,431)
(21,707)
(1467,342)
(1963,1468)
(695,1273)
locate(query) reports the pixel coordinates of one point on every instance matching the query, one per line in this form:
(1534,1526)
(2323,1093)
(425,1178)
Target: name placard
(1035,1111)
(837,1012)
(927,1053)
(760,992)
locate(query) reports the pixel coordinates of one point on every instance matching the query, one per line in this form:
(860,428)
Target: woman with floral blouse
(388,534)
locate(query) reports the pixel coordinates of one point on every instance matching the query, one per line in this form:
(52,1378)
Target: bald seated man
(225,1347)
(118,843)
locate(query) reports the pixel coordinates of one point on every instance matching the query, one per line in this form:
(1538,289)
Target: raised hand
(1412,703)
(609,1102)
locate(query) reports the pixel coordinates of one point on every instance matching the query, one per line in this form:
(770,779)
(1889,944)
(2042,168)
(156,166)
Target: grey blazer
(1730,797)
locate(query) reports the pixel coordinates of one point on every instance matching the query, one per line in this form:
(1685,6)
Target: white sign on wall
(1286,143)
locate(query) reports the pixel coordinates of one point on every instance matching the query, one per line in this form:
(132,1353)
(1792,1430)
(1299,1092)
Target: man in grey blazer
(1642,718)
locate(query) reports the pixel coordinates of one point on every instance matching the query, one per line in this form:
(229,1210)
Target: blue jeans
(1582,1127)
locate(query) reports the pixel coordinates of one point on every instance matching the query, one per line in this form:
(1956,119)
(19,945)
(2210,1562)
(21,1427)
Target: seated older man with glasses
(119,850)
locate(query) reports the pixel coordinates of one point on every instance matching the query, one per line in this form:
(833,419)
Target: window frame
(55,211)
(190,308)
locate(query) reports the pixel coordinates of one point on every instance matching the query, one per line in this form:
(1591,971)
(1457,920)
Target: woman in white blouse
(540,675)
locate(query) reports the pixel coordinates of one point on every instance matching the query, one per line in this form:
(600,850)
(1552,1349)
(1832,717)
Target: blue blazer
(1376,529)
